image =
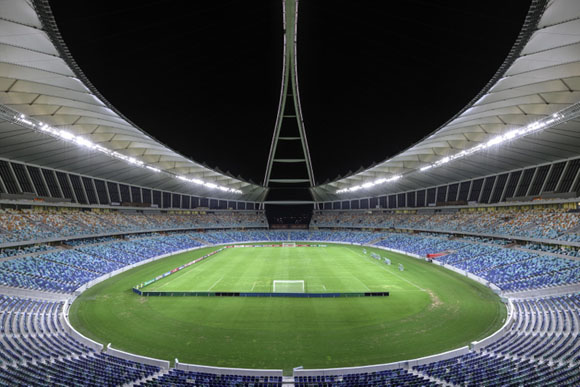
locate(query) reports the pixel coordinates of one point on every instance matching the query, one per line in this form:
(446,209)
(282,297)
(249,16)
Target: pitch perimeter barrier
(237,246)
(164,364)
(168,273)
(255,294)
(228,371)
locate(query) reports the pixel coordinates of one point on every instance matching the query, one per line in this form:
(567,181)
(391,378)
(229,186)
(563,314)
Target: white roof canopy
(39,78)
(540,77)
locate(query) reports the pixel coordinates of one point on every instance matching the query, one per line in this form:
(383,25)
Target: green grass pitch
(430,309)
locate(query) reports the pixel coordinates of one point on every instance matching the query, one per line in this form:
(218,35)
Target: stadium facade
(491,194)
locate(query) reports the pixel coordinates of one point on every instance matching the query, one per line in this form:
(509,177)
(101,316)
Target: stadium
(123,262)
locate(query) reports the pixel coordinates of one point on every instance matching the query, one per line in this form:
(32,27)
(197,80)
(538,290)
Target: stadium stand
(516,229)
(541,348)
(489,370)
(26,225)
(65,269)
(396,377)
(541,345)
(542,224)
(184,378)
(35,349)
(509,269)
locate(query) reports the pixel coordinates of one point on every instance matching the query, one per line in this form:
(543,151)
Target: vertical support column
(289,94)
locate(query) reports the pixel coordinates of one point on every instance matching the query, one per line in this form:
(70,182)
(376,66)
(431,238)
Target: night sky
(204,77)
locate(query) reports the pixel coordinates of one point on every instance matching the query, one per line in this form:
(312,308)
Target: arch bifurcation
(289,164)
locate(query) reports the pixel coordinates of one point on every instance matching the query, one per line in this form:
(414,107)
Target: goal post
(289,244)
(288,286)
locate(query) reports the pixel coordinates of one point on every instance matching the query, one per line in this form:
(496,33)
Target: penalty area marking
(216,282)
(165,284)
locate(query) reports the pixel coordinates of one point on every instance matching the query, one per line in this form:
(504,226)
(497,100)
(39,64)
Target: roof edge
(535,12)
(46,17)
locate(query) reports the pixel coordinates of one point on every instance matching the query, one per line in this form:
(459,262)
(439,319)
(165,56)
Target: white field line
(162,286)
(365,285)
(404,279)
(395,274)
(174,276)
(166,283)
(215,283)
(324,287)
(180,273)
(253,286)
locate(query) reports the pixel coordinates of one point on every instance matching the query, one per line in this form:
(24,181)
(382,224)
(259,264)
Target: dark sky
(204,77)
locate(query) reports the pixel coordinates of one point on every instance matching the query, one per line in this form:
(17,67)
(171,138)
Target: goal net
(289,244)
(282,286)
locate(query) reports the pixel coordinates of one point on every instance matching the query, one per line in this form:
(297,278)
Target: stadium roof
(40,79)
(535,92)
(538,82)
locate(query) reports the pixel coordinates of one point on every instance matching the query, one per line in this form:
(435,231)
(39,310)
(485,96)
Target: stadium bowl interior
(454,262)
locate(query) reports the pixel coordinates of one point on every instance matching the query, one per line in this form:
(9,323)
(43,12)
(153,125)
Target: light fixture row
(511,135)
(85,143)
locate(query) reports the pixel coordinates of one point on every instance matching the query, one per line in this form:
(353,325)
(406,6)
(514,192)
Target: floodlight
(70,137)
(511,134)
(494,141)
(153,168)
(66,135)
(84,142)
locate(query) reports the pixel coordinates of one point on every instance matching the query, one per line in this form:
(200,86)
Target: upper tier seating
(26,225)
(542,224)
(539,224)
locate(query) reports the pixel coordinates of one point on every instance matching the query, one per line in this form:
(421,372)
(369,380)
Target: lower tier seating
(396,377)
(187,378)
(36,350)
